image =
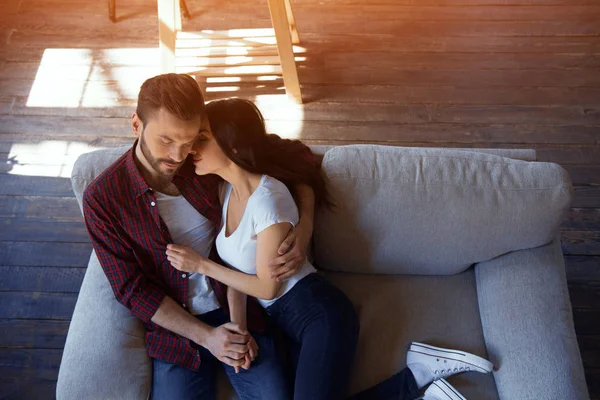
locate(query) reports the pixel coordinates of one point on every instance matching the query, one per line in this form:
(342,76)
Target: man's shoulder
(109,180)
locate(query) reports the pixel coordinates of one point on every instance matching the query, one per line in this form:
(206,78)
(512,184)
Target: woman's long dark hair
(238,125)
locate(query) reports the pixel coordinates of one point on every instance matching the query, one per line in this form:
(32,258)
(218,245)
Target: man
(149,198)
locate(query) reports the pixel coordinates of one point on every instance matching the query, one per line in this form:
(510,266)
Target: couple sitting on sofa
(153,217)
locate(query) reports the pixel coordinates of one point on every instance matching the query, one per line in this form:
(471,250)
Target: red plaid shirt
(130,240)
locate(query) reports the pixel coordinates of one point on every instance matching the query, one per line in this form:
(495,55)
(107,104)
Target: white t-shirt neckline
(226,207)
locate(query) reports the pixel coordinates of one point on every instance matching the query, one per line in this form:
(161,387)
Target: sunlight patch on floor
(52,158)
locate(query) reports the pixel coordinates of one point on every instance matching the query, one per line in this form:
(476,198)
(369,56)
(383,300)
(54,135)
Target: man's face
(166,141)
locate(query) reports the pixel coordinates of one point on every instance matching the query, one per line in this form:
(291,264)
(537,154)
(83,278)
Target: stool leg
(183,6)
(112,10)
(292,22)
(285,49)
(167,33)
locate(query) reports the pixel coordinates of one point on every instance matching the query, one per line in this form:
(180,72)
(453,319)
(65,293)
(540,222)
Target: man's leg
(401,386)
(172,381)
(265,380)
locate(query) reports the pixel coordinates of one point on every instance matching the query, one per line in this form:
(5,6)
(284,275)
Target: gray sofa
(453,247)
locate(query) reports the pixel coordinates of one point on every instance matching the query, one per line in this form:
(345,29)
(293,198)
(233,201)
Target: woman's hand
(250,356)
(185,259)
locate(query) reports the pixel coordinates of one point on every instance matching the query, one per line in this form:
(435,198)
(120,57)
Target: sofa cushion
(433,211)
(396,310)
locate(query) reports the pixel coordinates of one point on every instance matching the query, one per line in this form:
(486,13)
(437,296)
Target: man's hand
(229,344)
(292,253)
(184,259)
(250,356)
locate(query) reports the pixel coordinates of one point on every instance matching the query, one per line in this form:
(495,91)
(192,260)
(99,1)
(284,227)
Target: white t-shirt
(271,203)
(190,228)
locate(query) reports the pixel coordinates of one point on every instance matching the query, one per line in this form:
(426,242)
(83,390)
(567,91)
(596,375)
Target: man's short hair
(179,94)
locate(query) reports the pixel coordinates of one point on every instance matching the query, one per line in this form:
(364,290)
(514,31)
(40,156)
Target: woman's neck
(243,183)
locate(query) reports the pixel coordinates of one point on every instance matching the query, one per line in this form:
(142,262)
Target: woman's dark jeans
(323,327)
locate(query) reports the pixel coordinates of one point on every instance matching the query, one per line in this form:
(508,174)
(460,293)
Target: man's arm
(147,301)
(129,284)
(228,342)
(292,251)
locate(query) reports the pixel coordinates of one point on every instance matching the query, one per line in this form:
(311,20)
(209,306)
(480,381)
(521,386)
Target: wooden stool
(284,25)
(112,9)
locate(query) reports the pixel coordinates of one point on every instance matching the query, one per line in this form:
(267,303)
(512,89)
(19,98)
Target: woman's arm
(260,285)
(237,307)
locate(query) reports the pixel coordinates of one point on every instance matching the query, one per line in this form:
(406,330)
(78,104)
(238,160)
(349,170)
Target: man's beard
(154,162)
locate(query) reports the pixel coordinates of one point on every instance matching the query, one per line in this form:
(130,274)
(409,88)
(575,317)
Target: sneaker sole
(480,363)
(448,390)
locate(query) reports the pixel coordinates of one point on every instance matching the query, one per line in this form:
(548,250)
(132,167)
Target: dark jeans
(401,386)
(322,329)
(264,380)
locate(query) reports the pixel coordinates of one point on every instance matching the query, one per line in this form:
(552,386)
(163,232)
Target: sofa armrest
(528,325)
(104,356)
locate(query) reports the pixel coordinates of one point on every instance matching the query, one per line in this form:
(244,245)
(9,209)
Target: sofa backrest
(403,210)
(433,211)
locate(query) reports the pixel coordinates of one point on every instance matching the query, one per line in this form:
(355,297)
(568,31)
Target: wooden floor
(459,73)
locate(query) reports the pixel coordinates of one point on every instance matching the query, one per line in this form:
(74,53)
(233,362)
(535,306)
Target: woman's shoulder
(270,186)
(273,193)
(273,204)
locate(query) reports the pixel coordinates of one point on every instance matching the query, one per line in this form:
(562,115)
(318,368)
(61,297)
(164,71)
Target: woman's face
(208,156)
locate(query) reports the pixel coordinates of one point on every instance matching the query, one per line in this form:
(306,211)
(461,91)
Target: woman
(258,212)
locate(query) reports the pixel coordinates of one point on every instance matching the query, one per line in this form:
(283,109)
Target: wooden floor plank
(33,333)
(584,294)
(45,254)
(20,185)
(586,196)
(376,131)
(584,174)
(43,230)
(29,46)
(580,219)
(64,208)
(30,363)
(27,389)
(581,242)
(377,94)
(41,279)
(583,269)
(586,321)
(37,305)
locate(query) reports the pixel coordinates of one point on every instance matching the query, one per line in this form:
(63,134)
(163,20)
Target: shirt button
(183,275)
(153,204)
(184,305)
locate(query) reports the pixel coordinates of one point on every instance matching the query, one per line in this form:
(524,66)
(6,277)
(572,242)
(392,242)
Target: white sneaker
(442,390)
(446,362)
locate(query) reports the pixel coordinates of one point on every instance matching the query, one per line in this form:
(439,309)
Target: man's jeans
(264,380)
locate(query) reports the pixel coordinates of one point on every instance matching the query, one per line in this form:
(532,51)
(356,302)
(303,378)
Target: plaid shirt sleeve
(129,283)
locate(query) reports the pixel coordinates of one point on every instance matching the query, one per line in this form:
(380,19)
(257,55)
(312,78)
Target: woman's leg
(323,321)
